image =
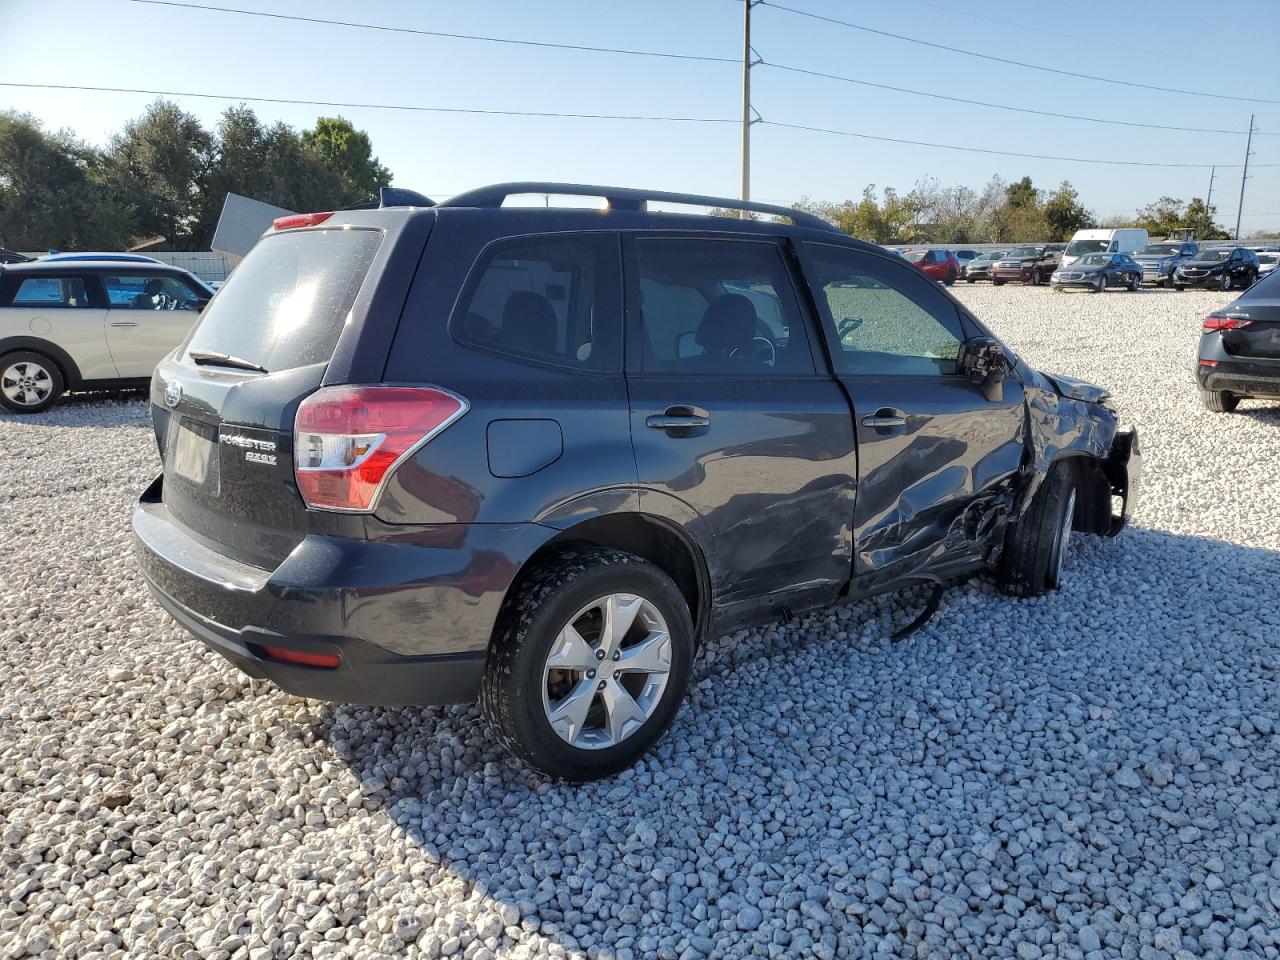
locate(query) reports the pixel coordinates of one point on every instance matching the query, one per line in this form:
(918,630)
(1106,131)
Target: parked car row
(1092,262)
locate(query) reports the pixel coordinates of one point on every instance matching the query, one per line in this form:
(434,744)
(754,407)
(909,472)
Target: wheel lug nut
(599,654)
(601,684)
(591,674)
(617,654)
(616,674)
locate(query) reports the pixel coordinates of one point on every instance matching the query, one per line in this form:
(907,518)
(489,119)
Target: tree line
(1001,212)
(165,176)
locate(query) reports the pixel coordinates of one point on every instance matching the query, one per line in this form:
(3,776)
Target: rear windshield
(286,304)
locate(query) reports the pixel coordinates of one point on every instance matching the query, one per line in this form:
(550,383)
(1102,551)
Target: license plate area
(194,456)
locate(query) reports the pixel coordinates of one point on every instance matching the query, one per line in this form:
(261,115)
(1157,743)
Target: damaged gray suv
(424,454)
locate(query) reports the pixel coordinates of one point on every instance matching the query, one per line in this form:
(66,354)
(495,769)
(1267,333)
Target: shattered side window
(887,319)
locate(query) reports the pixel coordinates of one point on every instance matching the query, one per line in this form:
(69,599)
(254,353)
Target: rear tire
(1135,284)
(29,382)
(997,283)
(1219,401)
(583,721)
(1225,283)
(1036,545)
(1179,287)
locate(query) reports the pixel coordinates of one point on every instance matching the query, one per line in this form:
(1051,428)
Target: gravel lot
(1092,774)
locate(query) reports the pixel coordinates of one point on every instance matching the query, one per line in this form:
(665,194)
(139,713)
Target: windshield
(1268,258)
(1095,259)
(915,256)
(1213,256)
(991,256)
(1078,248)
(1024,252)
(285,305)
(1159,248)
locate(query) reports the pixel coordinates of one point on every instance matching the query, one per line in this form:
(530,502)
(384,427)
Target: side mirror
(687,345)
(983,360)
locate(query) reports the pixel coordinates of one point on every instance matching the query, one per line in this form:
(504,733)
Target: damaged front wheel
(1036,545)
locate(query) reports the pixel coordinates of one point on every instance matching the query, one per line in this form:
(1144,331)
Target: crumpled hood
(1077,389)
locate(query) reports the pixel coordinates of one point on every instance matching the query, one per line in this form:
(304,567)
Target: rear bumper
(409,616)
(1242,378)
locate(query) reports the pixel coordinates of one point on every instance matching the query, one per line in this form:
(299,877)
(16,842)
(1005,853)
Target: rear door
(934,455)
(738,432)
(150,314)
(65,309)
(226,433)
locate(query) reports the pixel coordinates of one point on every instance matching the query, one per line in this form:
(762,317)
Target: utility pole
(746,99)
(1244,176)
(1209,197)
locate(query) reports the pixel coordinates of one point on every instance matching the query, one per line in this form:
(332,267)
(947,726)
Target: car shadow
(819,763)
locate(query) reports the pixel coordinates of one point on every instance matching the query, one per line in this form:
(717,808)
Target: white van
(1124,240)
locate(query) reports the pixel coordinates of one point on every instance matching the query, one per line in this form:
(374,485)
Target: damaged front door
(936,457)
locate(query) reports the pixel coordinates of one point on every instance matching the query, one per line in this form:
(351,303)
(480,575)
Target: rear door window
(550,299)
(286,304)
(47,291)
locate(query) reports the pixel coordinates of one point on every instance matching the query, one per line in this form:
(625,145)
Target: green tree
(348,153)
(52,192)
(1022,194)
(1168,216)
(160,163)
(1065,214)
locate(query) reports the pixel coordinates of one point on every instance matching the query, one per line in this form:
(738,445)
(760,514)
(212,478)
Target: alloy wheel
(26,383)
(606,671)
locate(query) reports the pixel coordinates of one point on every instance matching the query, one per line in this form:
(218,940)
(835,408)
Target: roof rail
(627,198)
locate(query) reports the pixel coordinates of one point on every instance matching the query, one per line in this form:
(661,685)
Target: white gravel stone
(1093,773)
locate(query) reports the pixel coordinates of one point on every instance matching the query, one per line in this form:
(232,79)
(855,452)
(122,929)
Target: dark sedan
(1097,271)
(1219,268)
(1240,349)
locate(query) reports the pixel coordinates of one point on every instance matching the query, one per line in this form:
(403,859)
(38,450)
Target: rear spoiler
(393,197)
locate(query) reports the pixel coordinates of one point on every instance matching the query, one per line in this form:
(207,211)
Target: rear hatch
(1259,338)
(1250,327)
(224,403)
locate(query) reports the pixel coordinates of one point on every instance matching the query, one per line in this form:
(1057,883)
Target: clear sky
(1220,47)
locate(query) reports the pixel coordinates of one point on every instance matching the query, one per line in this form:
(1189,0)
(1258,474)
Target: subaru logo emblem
(173,393)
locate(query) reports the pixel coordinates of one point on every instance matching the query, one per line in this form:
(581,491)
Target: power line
(1004,22)
(999,153)
(180,4)
(600,116)
(370,106)
(983,103)
(1009,62)
(437,33)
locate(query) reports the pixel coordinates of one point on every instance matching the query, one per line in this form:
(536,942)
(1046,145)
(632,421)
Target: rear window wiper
(214,358)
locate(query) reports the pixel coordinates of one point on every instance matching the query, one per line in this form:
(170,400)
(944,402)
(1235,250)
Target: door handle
(679,417)
(123,323)
(885,418)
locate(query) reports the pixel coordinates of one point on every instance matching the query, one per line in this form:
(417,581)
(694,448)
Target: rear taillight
(348,440)
(296,220)
(1225,323)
